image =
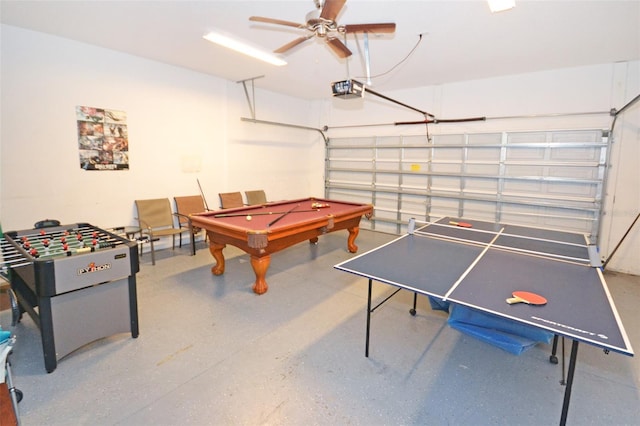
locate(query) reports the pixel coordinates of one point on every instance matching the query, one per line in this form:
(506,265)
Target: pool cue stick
(202,194)
(280,217)
(259,213)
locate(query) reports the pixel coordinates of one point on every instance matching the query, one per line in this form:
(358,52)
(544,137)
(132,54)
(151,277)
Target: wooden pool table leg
(351,241)
(216,252)
(260,266)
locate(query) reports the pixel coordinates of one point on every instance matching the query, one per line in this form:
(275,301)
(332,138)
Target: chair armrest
(180,215)
(144,225)
(193,229)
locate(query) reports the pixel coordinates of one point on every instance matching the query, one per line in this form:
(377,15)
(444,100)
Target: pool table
(267,228)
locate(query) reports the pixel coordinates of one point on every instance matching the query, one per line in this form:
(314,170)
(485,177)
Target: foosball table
(77,282)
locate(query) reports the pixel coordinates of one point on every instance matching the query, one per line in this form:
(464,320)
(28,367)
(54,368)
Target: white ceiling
(462,40)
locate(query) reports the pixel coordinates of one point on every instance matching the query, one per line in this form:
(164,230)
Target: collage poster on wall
(103,139)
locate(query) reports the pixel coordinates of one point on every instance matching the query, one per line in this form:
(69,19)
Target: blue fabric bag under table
(506,334)
(438,304)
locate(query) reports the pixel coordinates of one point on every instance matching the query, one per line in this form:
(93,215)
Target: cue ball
(248,217)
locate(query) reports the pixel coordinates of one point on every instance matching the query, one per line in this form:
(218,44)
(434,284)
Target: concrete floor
(211,352)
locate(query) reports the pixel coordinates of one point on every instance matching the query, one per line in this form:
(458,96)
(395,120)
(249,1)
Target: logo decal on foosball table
(92,267)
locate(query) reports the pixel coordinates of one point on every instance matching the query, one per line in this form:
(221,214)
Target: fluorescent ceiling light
(244,48)
(501,5)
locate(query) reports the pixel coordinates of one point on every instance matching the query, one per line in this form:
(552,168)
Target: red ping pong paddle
(460,224)
(526,297)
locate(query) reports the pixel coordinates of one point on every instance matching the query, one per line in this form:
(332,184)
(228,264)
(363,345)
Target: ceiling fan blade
(338,47)
(292,44)
(275,21)
(371,28)
(331,9)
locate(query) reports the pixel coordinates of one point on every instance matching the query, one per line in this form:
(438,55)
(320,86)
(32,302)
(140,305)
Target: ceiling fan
(325,27)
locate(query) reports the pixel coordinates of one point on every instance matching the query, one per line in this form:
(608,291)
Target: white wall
(288,161)
(182,126)
(586,89)
(589,89)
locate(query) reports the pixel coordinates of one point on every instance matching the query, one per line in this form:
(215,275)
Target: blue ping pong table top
(481,266)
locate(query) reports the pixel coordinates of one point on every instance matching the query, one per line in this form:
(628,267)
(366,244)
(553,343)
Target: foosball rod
(71,238)
(60,233)
(15,262)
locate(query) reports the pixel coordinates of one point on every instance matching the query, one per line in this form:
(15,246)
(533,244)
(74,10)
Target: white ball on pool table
(248,217)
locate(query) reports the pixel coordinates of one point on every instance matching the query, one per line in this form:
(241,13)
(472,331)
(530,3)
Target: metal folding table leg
(366,350)
(567,390)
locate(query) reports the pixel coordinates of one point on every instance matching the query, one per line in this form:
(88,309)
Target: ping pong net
(549,244)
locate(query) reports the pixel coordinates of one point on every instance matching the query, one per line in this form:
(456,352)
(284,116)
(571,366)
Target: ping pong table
(479,265)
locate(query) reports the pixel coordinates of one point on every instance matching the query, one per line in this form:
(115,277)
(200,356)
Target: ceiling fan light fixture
(244,48)
(501,5)
(324,27)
